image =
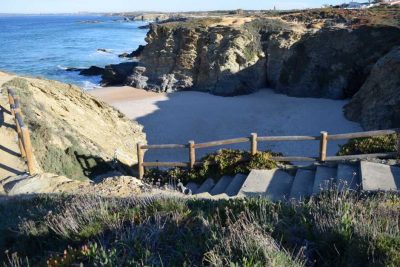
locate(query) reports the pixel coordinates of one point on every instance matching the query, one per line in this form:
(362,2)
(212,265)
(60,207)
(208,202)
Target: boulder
(137,79)
(117,74)
(92,71)
(377,104)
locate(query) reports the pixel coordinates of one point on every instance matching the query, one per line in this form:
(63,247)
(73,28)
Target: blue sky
(66,6)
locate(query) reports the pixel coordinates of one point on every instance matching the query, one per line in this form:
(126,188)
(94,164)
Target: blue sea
(45,46)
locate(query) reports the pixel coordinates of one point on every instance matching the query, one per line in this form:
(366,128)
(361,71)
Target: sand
(183,116)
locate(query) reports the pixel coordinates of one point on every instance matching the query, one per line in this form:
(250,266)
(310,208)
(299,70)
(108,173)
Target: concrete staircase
(278,185)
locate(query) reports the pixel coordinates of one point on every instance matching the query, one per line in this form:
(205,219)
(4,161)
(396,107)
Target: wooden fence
(24,140)
(253,141)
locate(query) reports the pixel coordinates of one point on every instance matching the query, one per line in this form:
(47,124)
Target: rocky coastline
(318,53)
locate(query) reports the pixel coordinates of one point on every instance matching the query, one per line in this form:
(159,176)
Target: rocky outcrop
(324,57)
(221,60)
(377,104)
(73,134)
(117,74)
(332,62)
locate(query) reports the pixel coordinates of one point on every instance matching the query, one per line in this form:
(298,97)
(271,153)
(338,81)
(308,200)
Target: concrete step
(303,184)
(376,176)
(192,186)
(206,186)
(324,177)
(221,185)
(348,177)
(272,184)
(235,185)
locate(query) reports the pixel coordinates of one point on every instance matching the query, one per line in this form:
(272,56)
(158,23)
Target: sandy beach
(183,116)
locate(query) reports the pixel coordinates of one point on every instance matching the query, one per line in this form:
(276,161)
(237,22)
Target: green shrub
(224,162)
(369,145)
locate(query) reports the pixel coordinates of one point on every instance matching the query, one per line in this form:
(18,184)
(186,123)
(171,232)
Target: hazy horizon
(104,6)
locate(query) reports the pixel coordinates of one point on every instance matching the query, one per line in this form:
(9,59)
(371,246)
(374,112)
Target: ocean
(45,45)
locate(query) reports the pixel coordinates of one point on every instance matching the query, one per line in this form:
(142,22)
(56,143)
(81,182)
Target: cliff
(377,104)
(74,134)
(315,54)
(319,53)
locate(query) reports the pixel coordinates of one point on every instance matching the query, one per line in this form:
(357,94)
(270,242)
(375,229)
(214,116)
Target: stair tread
(272,184)
(235,185)
(206,186)
(348,176)
(377,176)
(221,185)
(303,184)
(193,187)
(324,177)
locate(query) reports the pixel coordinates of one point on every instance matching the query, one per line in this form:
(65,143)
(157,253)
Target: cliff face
(377,104)
(74,134)
(221,60)
(327,59)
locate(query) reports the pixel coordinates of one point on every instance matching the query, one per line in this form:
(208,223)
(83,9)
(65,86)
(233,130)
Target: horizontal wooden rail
(286,138)
(24,140)
(289,159)
(223,142)
(362,134)
(167,146)
(253,140)
(362,156)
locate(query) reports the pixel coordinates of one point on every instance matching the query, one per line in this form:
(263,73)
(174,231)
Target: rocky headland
(319,53)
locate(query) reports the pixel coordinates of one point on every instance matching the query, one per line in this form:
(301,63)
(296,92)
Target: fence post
(253,144)
(192,154)
(28,149)
(140,156)
(323,146)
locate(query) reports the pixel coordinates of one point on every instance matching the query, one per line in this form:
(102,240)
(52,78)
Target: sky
(72,6)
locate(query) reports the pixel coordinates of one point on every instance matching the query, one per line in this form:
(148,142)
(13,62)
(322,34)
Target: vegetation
(335,229)
(223,162)
(73,161)
(369,145)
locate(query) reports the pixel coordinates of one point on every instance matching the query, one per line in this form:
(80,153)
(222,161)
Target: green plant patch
(369,145)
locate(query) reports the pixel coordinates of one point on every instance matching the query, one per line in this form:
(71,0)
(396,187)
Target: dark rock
(117,74)
(134,54)
(92,71)
(137,79)
(144,27)
(377,104)
(73,69)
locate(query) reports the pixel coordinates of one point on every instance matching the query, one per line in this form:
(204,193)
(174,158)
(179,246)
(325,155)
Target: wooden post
(192,154)
(10,100)
(28,149)
(253,144)
(140,156)
(323,146)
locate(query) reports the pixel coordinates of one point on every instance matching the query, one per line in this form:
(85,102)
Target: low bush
(369,145)
(333,229)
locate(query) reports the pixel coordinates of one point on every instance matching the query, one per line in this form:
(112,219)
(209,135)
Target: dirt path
(10,161)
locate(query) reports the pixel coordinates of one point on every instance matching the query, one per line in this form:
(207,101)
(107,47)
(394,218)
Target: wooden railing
(253,139)
(24,140)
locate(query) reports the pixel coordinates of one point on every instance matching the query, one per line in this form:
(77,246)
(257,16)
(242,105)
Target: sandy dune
(183,116)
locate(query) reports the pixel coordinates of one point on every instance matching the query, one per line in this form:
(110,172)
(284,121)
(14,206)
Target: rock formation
(308,55)
(377,104)
(74,134)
